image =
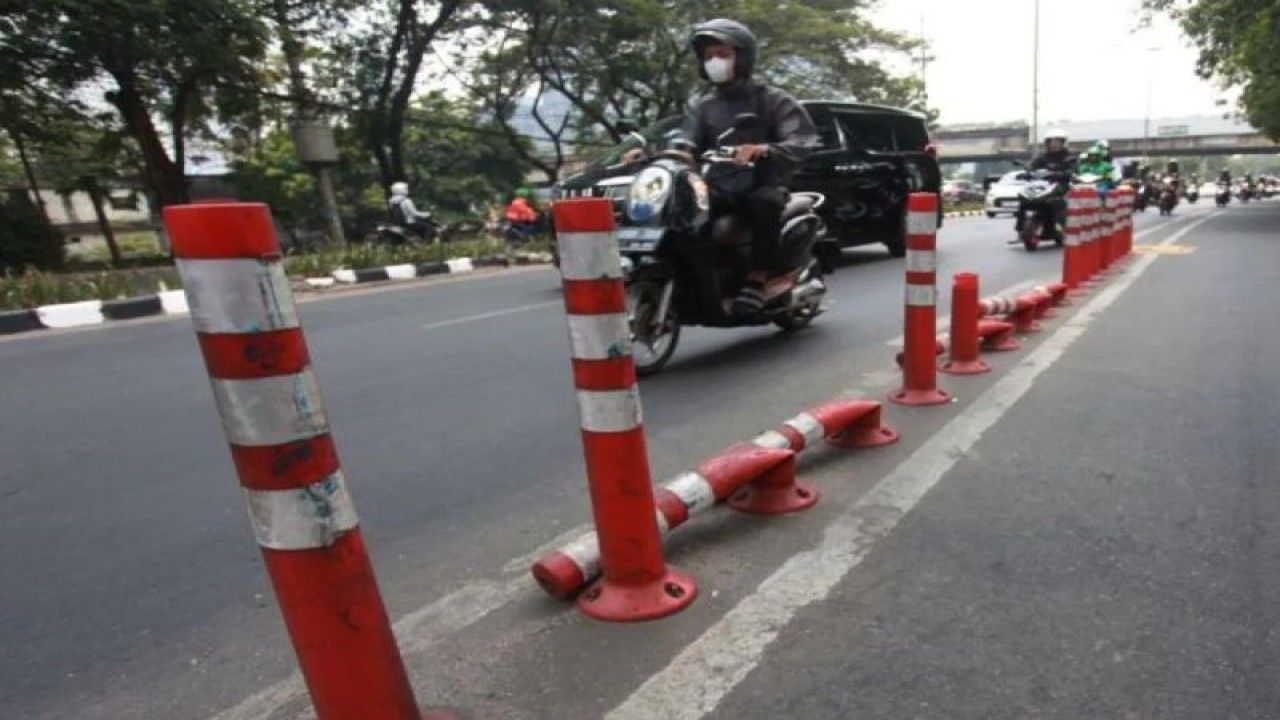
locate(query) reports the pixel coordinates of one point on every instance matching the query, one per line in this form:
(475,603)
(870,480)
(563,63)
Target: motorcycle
(396,234)
(1223,197)
(683,267)
(1192,195)
(1041,207)
(1139,195)
(1168,195)
(1246,193)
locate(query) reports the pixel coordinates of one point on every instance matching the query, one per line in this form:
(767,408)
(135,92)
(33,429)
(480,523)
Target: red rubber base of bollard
(615,602)
(757,500)
(558,575)
(1029,328)
(921,397)
(1050,314)
(970,367)
(1001,344)
(855,439)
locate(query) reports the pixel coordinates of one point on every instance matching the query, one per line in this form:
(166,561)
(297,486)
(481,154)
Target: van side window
(868,132)
(828,134)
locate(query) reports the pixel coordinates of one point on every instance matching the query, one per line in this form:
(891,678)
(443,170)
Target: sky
(1096,62)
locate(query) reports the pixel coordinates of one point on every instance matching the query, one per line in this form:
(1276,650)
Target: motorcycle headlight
(649,191)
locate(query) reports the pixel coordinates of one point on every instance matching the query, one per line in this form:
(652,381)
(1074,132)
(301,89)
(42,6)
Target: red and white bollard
(1125,231)
(637,584)
(842,423)
(1074,260)
(273,419)
(919,366)
(965,315)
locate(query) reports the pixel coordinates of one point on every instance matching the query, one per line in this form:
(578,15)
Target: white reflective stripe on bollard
(610,410)
(238,296)
(585,553)
(808,426)
(270,411)
(922,223)
(694,491)
(305,518)
(922,261)
(599,337)
(589,256)
(922,296)
(772,439)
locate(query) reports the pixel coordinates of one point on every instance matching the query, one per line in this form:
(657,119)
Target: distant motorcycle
(1168,195)
(1192,195)
(1041,207)
(1223,196)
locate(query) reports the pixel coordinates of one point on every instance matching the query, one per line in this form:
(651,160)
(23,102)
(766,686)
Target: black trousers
(763,209)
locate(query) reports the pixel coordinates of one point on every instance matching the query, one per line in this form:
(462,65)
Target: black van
(870,159)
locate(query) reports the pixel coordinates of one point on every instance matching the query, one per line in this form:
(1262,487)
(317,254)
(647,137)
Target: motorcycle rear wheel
(651,347)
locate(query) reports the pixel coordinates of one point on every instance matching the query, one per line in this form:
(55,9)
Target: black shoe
(750,300)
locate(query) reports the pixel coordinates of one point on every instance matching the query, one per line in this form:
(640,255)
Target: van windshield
(653,135)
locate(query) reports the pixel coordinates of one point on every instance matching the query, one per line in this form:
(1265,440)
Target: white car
(1002,196)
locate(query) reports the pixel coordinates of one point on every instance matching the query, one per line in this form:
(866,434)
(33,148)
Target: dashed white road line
(490,315)
(707,670)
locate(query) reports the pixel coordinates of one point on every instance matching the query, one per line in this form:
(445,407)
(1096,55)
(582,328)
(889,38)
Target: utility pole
(1035,83)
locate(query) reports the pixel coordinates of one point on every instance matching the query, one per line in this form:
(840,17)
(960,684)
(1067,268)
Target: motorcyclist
(726,53)
(1095,163)
(1056,158)
(522,215)
(1173,177)
(404,213)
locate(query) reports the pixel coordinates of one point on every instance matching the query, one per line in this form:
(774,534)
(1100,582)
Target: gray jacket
(785,126)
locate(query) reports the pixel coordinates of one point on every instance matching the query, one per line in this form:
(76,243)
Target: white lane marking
(695,682)
(944,322)
(491,315)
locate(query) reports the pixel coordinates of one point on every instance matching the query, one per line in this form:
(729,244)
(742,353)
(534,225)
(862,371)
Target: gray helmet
(730,32)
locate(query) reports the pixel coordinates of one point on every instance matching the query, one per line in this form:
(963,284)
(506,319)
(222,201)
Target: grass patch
(34,288)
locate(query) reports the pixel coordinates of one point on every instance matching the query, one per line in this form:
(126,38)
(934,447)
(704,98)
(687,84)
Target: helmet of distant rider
(1056,134)
(399,188)
(729,32)
(524,193)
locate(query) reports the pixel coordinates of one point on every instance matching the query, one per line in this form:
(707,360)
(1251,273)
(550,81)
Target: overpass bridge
(1164,137)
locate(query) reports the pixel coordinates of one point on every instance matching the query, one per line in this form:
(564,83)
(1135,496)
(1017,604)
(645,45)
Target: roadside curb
(965,213)
(456,266)
(174,302)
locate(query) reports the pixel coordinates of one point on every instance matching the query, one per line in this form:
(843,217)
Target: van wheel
(898,244)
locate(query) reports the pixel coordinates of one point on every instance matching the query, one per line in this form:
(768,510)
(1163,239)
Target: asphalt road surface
(1088,532)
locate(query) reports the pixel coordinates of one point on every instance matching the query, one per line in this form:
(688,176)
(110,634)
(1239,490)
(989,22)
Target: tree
(630,58)
(158,59)
(1237,43)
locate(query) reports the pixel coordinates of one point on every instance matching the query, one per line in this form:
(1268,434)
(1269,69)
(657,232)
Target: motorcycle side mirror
(1018,163)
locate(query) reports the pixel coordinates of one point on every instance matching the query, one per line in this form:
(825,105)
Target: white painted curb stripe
(694,491)
(401,272)
(610,411)
(922,223)
(69,315)
(922,261)
(921,295)
(344,276)
(270,411)
(174,302)
(599,337)
(238,296)
(304,518)
(589,256)
(460,265)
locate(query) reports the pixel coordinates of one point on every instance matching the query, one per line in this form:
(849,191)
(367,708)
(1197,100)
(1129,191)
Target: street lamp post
(1035,82)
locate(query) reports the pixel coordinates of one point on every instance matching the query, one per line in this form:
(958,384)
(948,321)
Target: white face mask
(719,70)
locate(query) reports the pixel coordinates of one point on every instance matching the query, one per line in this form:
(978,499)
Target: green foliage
(26,239)
(1237,43)
(34,288)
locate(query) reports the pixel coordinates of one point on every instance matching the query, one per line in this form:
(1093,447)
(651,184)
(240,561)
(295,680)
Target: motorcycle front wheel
(1030,234)
(651,346)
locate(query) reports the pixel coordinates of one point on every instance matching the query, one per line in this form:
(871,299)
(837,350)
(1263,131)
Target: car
(870,159)
(958,191)
(1002,196)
